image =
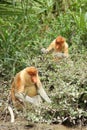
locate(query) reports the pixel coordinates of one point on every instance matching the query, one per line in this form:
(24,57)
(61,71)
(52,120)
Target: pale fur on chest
(30,90)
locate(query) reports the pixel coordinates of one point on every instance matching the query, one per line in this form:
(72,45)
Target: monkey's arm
(42,92)
(51,46)
(66,53)
(44,95)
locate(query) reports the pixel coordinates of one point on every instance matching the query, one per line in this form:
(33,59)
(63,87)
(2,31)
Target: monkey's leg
(36,100)
(59,55)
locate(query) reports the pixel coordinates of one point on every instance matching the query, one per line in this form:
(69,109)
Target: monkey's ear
(43,50)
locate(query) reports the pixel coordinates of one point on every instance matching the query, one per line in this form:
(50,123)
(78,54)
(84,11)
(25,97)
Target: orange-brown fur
(59,45)
(26,81)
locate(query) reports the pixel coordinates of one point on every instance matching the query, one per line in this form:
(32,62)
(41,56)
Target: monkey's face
(32,72)
(58,45)
(34,78)
(59,42)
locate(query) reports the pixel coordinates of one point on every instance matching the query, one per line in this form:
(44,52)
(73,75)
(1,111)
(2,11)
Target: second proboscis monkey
(27,86)
(59,47)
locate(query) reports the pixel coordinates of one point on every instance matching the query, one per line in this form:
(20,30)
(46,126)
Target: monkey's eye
(32,75)
(57,43)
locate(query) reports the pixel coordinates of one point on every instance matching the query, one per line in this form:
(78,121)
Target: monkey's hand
(43,50)
(59,55)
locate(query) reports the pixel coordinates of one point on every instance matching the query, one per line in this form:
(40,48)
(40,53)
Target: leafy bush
(65,83)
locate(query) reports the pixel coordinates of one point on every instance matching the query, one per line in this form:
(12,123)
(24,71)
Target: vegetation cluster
(25,28)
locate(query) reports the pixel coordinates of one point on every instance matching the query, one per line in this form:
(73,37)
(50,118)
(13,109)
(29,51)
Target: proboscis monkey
(59,46)
(27,86)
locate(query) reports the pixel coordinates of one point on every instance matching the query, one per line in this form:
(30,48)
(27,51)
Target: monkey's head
(59,41)
(33,73)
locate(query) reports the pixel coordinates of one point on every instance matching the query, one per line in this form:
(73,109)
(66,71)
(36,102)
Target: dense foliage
(26,27)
